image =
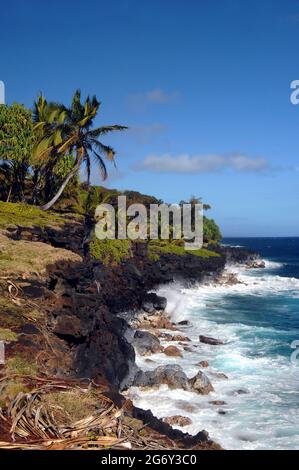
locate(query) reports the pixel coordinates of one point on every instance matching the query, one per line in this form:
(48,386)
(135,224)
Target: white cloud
(138,101)
(145,134)
(159,96)
(200,163)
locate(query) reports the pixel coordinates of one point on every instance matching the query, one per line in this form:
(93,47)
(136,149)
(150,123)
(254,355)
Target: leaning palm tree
(71,133)
(49,126)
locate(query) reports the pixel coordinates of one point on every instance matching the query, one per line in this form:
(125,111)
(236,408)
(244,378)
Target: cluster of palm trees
(42,152)
(67,136)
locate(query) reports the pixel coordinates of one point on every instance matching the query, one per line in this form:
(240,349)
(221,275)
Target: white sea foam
(272,264)
(264,418)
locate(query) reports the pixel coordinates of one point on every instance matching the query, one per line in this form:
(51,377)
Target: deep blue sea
(259,321)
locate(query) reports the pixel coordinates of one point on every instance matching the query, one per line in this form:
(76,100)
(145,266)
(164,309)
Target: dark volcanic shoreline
(82,337)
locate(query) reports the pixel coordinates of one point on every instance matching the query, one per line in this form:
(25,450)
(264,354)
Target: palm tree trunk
(72,173)
(9,193)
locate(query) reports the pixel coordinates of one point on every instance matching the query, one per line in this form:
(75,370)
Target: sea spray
(257,319)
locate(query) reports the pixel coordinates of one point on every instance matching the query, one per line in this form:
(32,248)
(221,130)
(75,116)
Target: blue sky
(203,85)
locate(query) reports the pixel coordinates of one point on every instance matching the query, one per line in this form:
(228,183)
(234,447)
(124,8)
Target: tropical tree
(49,125)
(16,144)
(70,132)
(211,231)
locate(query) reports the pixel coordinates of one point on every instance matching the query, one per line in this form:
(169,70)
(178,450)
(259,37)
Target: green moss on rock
(14,214)
(20,365)
(10,390)
(161,247)
(110,251)
(8,335)
(10,314)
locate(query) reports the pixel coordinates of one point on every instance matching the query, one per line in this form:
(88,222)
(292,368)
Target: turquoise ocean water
(259,321)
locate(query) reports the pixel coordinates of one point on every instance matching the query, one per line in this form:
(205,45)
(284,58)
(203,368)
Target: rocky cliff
(58,307)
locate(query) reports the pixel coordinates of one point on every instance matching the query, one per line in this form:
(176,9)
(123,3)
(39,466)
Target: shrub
(110,251)
(157,248)
(20,365)
(8,335)
(26,215)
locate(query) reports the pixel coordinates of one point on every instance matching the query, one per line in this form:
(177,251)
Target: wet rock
(240,391)
(219,375)
(184,322)
(257,264)
(222,412)
(149,361)
(161,322)
(146,343)
(171,375)
(228,279)
(148,307)
(177,420)
(217,402)
(180,338)
(155,322)
(185,406)
(203,364)
(153,302)
(188,349)
(174,377)
(201,384)
(165,336)
(210,340)
(172,351)
(160,303)
(184,440)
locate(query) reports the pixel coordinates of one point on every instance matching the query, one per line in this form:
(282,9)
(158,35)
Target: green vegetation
(20,365)
(9,390)
(98,195)
(25,215)
(68,133)
(211,231)
(41,153)
(16,147)
(7,335)
(25,258)
(156,248)
(110,251)
(10,314)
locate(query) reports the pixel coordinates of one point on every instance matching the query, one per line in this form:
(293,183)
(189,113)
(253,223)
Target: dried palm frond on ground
(43,417)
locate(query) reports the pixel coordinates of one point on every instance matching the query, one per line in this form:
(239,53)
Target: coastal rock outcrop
(180,338)
(177,420)
(172,351)
(146,343)
(228,279)
(184,323)
(201,384)
(256,264)
(174,377)
(203,364)
(210,340)
(171,375)
(153,302)
(217,402)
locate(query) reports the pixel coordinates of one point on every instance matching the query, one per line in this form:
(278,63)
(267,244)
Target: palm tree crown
(63,131)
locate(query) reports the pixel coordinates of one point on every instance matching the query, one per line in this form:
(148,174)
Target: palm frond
(100,162)
(106,129)
(88,168)
(106,149)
